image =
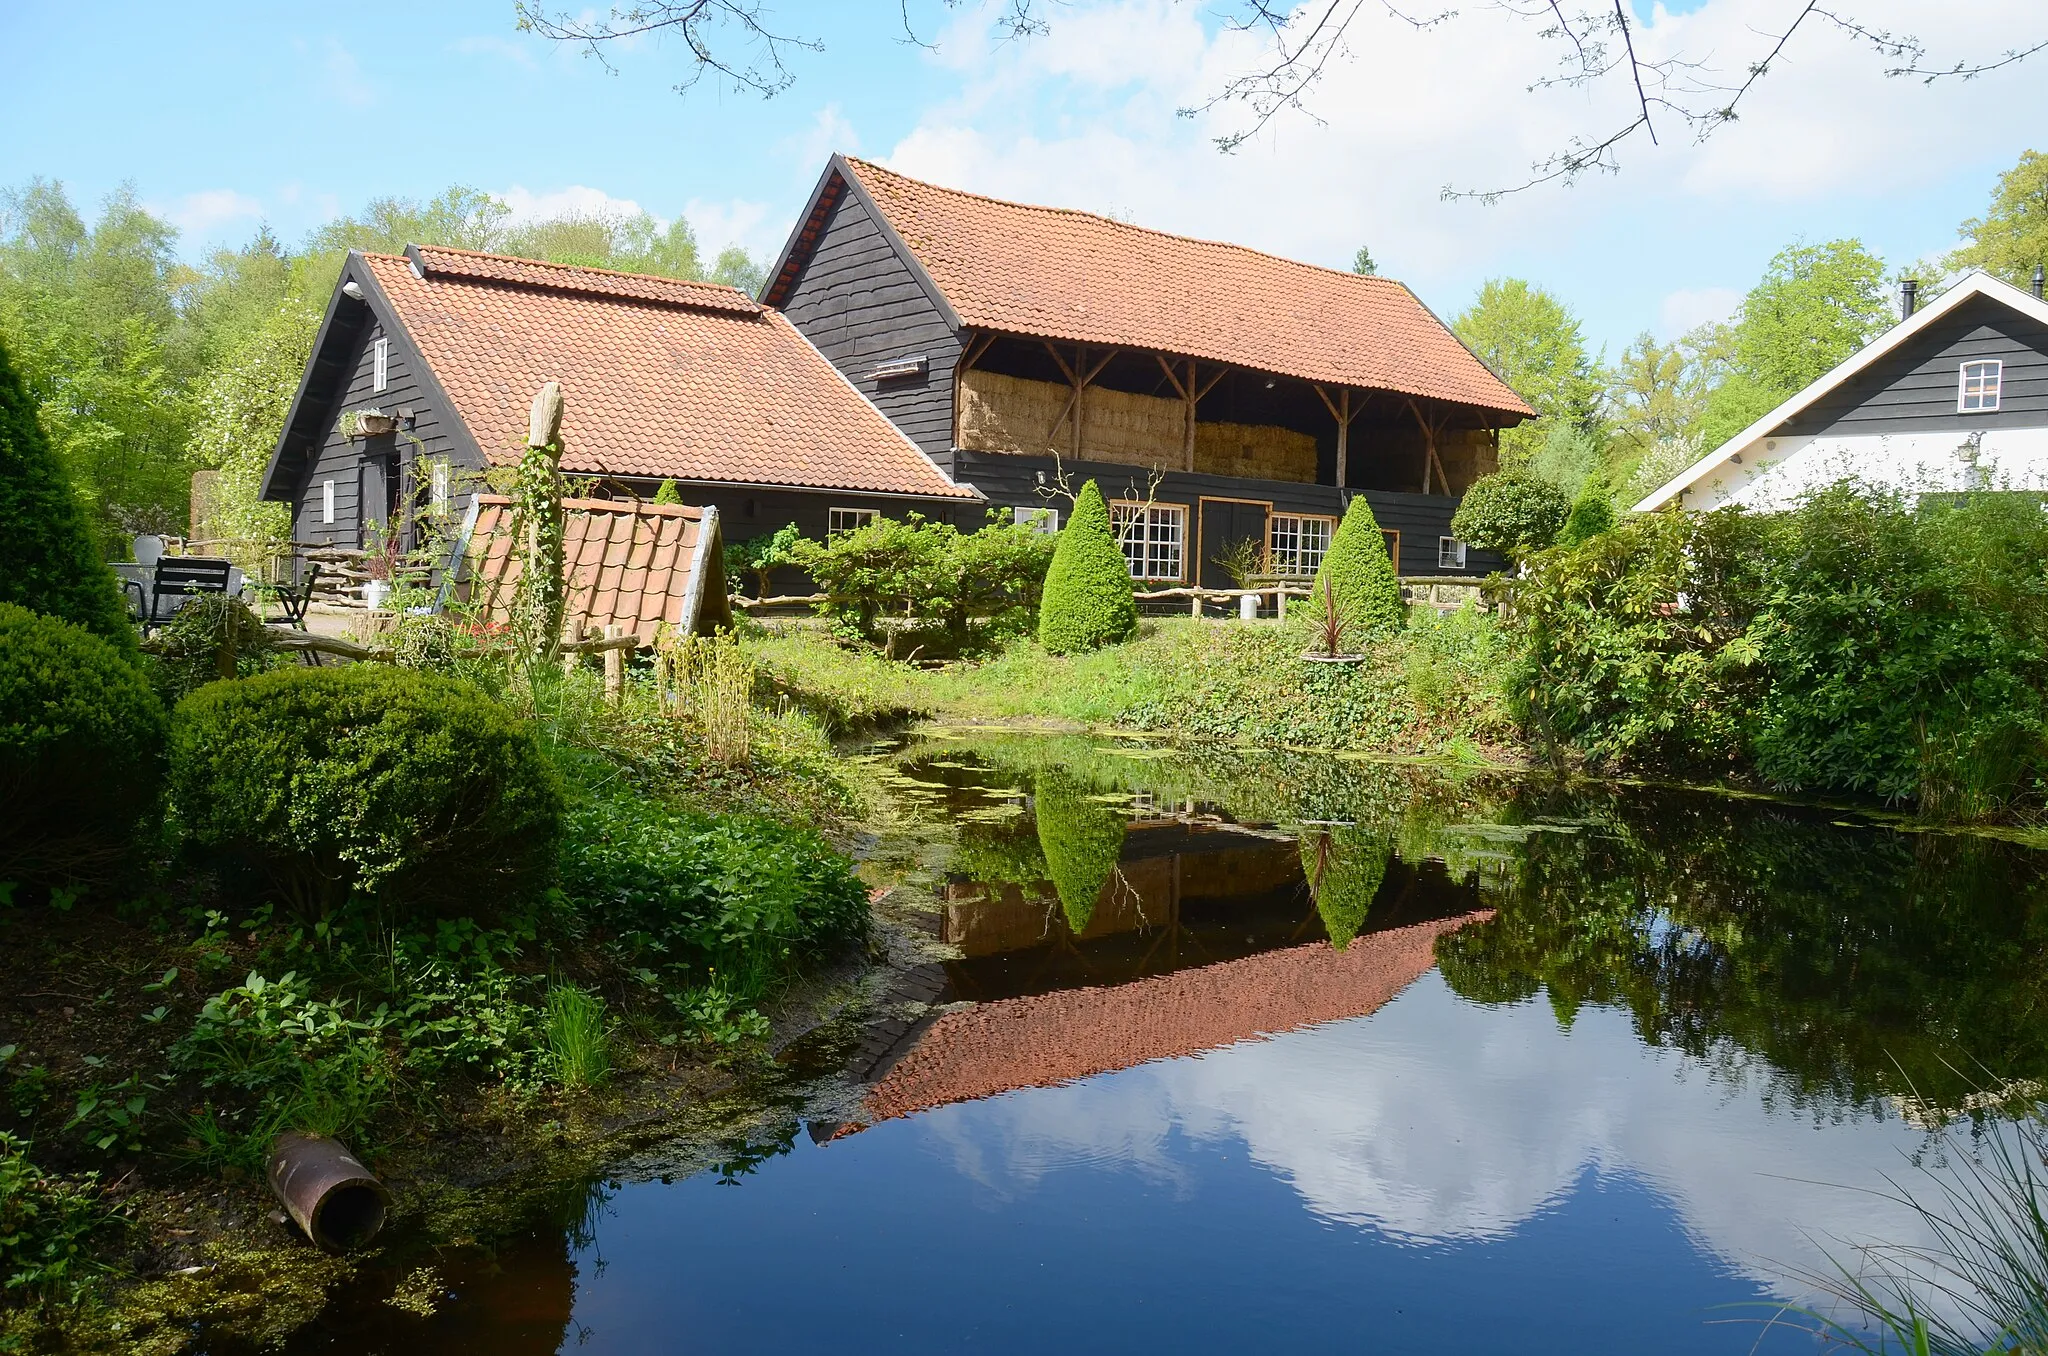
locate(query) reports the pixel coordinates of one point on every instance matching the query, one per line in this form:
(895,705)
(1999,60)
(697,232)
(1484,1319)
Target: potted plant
(380,560)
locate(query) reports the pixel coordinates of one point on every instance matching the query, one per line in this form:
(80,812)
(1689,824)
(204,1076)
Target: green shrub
(691,898)
(211,637)
(1592,513)
(81,748)
(403,785)
(1082,840)
(760,556)
(1356,572)
(49,560)
(578,1042)
(1511,512)
(913,585)
(1088,601)
(46,1227)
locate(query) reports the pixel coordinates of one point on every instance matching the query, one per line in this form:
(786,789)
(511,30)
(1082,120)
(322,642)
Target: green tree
(48,560)
(2011,239)
(1357,572)
(245,394)
(1511,512)
(736,268)
(1087,601)
(1816,305)
(1362,263)
(1082,841)
(1533,342)
(1592,513)
(1655,393)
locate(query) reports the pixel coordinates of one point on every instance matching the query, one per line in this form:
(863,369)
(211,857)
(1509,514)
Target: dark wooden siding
(1012,481)
(341,460)
(1914,388)
(859,302)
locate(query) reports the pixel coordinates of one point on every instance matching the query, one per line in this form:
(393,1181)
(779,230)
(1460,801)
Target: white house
(1953,397)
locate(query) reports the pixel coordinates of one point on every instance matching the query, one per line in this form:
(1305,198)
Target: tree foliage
(1088,601)
(2011,239)
(1532,341)
(913,585)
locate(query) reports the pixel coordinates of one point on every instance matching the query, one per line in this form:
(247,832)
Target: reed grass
(578,1042)
(711,678)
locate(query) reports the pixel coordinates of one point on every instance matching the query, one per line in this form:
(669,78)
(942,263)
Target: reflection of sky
(1439,1121)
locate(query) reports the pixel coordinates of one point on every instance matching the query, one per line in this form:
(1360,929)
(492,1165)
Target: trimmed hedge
(389,782)
(1361,577)
(1344,868)
(1087,602)
(1592,513)
(1511,513)
(81,747)
(48,558)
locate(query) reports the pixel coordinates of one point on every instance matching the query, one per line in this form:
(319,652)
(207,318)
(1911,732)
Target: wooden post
(1340,410)
(1195,605)
(571,633)
(614,669)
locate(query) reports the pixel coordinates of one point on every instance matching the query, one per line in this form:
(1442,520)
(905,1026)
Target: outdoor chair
(294,602)
(175,579)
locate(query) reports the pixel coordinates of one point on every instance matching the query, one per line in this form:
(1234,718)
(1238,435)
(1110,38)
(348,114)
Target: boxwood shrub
(318,783)
(1360,576)
(1087,602)
(81,748)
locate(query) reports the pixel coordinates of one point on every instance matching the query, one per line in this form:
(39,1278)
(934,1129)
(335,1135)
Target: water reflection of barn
(1206,936)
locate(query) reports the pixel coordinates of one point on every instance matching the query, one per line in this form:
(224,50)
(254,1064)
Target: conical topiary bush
(49,562)
(1344,869)
(1082,840)
(1360,576)
(1592,513)
(1087,600)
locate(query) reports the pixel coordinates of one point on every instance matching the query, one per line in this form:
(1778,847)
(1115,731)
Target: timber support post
(614,669)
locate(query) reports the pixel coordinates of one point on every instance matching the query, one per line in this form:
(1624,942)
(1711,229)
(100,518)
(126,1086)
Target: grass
(1431,688)
(578,1041)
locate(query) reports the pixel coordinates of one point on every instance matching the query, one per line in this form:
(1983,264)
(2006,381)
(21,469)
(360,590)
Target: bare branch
(701,24)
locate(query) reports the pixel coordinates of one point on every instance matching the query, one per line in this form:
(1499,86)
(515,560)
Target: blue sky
(224,115)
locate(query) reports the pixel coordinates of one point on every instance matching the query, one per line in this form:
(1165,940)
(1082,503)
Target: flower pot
(376,593)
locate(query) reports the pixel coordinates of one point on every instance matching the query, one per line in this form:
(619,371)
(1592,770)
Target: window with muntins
(847,520)
(1153,538)
(1296,543)
(1450,553)
(1978,387)
(380,366)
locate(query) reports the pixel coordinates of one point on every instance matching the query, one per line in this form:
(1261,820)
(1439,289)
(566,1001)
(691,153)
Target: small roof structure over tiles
(633,565)
(662,378)
(1055,273)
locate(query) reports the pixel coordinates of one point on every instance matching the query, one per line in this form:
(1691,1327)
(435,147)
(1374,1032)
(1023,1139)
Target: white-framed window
(439,476)
(1153,538)
(1450,553)
(847,520)
(1297,542)
(380,364)
(326,501)
(1046,520)
(1977,389)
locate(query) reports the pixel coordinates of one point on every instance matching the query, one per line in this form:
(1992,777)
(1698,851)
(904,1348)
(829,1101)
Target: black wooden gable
(1914,387)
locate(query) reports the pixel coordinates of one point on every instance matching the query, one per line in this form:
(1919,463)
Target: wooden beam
(1171,375)
(1428,445)
(1340,410)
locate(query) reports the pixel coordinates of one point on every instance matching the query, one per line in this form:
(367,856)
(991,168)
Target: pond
(1222,1051)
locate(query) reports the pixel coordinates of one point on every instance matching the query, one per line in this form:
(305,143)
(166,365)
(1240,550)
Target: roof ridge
(1369,278)
(574,268)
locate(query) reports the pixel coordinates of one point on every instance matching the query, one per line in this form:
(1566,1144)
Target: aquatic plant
(578,1041)
(1981,1285)
(1082,840)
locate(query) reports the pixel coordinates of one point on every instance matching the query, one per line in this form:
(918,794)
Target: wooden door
(1225,521)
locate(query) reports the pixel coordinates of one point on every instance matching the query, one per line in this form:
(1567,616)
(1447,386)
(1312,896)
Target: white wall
(1774,472)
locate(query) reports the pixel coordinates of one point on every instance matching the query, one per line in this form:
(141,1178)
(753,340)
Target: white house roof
(1976,283)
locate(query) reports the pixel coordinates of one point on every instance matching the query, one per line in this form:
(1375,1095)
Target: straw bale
(1000,413)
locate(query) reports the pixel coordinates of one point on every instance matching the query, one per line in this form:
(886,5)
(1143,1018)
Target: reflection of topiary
(81,747)
(1344,869)
(1081,840)
(1360,575)
(48,560)
(1087,601)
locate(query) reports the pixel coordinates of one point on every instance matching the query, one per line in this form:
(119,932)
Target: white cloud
(1085,117)
(734,222)
(577,200)
(202,214)
(1436,1121)
(343,76)
(807,151)
(505,49)
(1689,307)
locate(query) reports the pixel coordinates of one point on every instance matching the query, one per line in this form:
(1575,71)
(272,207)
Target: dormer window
(1978,390)
(380,365)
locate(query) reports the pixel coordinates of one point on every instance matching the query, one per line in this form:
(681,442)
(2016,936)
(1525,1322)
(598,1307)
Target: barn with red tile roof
(1246,395)
(425,365)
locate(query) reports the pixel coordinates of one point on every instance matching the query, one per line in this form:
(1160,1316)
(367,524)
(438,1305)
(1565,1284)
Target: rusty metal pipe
(327,1190)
